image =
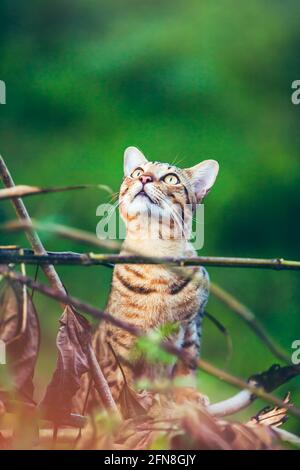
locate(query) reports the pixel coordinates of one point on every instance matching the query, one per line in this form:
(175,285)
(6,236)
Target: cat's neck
(157,247)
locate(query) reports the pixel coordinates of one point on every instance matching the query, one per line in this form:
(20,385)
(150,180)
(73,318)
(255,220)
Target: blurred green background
(191,80)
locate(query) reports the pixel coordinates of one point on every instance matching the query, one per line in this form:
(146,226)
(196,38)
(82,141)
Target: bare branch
(61,231)
(24,191)
(269,380)
(67,258)
(255,385)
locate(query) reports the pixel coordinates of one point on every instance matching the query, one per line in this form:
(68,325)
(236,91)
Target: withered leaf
(271,416)
(184,427)
(20,331)
(132,403)
(72,342)
(199,430)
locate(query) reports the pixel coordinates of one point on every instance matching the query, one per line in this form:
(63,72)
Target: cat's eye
(137,172)
(171,178)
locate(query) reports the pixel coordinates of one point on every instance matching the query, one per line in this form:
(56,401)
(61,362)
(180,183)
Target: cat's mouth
(142,193)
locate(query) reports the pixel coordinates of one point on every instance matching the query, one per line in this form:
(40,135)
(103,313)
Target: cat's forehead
(159,168)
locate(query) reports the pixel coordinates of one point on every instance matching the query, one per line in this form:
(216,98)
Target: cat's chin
(141,206)
(143,197)
(142,202)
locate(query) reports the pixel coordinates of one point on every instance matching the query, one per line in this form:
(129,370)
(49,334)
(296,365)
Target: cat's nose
(146,178)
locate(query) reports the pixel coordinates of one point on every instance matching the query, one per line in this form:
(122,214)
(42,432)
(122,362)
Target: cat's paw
(189,394)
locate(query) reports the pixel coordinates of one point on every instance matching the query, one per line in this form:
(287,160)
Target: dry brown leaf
(19,329)
(186,427)
(271,416)
(73,338)
(134,404)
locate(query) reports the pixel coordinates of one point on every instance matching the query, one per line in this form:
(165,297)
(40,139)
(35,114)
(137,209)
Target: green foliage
(149,346)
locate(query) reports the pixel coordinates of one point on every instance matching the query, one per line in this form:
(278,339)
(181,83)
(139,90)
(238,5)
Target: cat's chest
(154,295)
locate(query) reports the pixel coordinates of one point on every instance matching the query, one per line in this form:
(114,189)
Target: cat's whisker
(173,211)
(176,161)
(115,196)
(176,217)
(194,219)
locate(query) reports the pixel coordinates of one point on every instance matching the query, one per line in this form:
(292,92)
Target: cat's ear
(203,177)
(133,158)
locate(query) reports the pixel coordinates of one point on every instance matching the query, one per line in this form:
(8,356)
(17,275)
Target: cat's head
(162,188)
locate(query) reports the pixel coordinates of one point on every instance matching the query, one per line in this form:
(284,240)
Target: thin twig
(71,258)
(224,332)
(62,231)
(257,390)
(166,345)
(101,384)
(24,191)
(69,300)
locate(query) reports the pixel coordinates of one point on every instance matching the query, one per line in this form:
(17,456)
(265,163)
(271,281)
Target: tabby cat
(150,296)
